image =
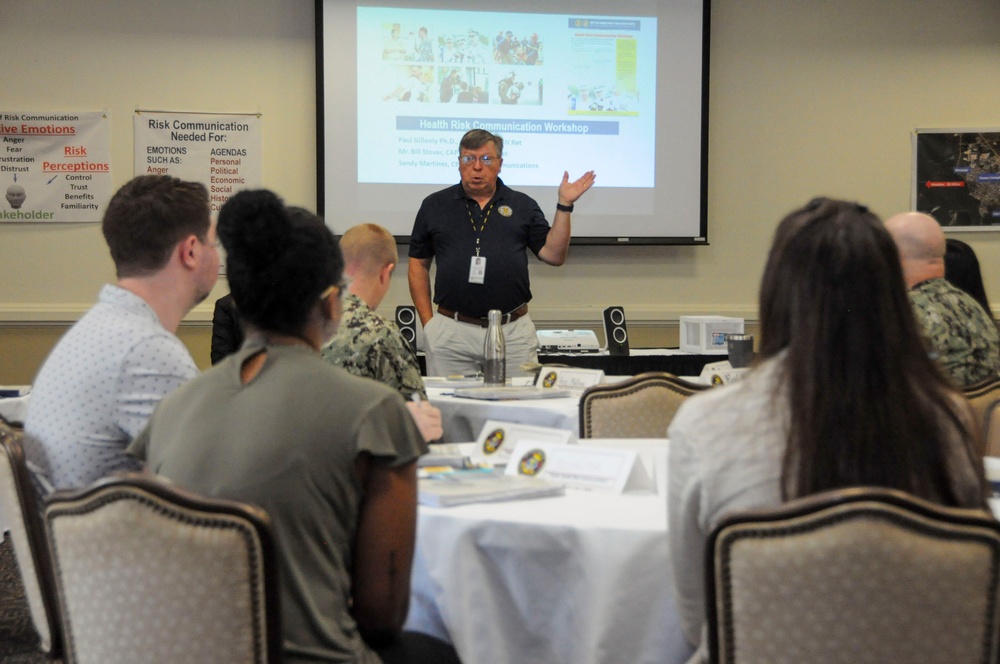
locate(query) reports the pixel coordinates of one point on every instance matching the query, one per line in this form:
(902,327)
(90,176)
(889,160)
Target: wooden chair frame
(976,525)
(984,397)
(629,387)
(37,572)
(189,508)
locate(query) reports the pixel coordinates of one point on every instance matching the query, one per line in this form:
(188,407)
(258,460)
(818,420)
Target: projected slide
(620,88)
(562,90)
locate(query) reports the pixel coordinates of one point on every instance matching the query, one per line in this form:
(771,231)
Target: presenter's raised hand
(569,192)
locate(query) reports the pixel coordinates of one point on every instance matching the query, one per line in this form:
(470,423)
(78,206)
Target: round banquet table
(581,578)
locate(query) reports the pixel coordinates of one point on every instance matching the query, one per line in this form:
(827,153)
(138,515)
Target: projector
(567,341)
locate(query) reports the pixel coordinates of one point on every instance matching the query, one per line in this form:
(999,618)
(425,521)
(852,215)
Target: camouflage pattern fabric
(368,345)
(962,337)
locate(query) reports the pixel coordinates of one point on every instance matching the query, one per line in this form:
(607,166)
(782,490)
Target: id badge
(477,270)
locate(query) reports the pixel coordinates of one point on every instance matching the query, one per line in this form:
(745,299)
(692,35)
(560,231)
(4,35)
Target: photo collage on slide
(449,65)
(549,84)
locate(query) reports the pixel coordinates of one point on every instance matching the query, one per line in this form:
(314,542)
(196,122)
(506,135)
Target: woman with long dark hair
(961,269)
(844,395)
(331,457)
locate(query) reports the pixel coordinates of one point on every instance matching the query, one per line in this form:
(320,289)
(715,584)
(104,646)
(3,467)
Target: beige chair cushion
(984,397)
(640,407)
(862,583)
(142,580)
(992,430)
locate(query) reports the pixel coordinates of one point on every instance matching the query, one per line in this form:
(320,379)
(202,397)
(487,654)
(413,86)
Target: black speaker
(615,331)
(406,319)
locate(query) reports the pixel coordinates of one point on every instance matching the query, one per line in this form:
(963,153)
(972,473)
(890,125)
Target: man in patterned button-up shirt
(101,382)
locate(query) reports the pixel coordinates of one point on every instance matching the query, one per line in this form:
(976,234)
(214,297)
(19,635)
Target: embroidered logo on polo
(531,463)
(505,211)
(493,442)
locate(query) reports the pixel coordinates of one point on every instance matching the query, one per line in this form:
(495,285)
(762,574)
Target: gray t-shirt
(287,441)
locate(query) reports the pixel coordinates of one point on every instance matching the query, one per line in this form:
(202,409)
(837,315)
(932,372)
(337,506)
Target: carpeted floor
(18,639)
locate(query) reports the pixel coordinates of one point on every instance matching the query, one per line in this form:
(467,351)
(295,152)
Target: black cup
(740,350)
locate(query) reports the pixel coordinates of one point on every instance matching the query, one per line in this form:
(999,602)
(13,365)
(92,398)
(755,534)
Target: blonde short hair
(368,248)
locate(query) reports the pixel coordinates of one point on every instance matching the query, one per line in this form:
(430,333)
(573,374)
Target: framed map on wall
(956,177)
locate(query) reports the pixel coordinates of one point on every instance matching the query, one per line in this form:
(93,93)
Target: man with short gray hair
(478,231)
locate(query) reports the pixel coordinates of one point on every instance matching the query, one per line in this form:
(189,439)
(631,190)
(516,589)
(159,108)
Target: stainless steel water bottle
(494,352)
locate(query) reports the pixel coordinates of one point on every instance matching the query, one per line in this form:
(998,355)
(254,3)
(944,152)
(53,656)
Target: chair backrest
(984,397)
(854,576)
(22,515)
(639,407)
(146,571)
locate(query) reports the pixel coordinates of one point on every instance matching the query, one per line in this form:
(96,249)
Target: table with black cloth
(639,361)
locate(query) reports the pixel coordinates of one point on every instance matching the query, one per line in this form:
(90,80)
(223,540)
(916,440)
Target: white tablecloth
(462,419)
(578,579)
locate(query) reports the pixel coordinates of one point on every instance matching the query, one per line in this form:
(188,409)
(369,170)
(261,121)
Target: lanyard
(472,221)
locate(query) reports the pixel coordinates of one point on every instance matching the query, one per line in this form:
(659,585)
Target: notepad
(478,486)
(512,393)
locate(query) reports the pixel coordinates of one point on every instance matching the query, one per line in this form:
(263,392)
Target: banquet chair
(984,397)
(22,515)
(859,576)
(639,407)
(147,571)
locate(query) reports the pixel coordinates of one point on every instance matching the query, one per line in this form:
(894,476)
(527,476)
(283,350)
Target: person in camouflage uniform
(961,335)
(367,344)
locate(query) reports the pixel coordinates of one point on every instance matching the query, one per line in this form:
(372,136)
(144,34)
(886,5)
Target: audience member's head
(961,268)
(283,264)
(148,217)
(867,405)
(921,245)
(370,257)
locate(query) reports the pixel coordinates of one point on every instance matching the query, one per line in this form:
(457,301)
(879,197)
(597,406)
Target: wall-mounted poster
(222,151)
(956,177)
(54,166)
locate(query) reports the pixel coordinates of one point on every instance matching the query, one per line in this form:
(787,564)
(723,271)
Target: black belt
(484,322)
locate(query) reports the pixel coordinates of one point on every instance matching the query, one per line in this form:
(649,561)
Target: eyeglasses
(485,160)
(339,287)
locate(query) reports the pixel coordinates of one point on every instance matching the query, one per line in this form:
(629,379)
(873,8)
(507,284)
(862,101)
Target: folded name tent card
(599,469)
(721,373)
(497,440)
(568,378)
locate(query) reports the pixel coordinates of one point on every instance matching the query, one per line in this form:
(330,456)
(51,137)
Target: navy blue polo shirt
(444,231)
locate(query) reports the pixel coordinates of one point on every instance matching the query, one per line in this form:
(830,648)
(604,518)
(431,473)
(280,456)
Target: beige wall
(806,98)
